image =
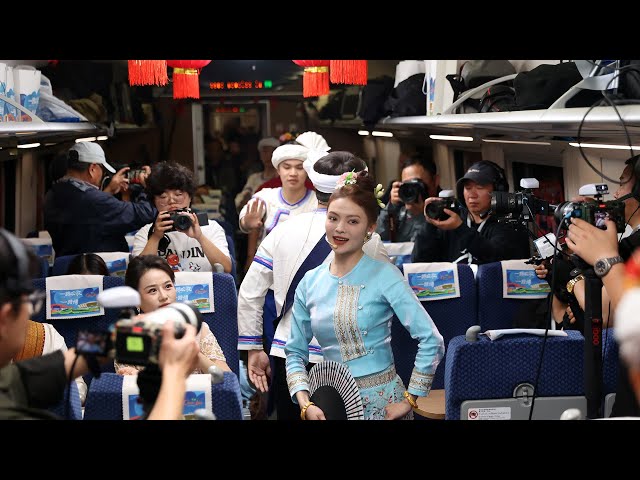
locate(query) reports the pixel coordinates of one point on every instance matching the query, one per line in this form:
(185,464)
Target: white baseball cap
(91,152)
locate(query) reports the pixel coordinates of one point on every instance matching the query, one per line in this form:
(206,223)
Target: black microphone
(332,245)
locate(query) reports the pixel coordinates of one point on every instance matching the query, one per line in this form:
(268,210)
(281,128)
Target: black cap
(483,172)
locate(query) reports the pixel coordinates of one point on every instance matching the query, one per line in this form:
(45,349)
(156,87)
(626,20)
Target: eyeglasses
(36,299)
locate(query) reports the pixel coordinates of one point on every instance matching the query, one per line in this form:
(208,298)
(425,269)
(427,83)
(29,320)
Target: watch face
(600,267)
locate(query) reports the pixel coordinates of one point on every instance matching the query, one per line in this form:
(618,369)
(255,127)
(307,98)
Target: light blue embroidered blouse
(351,319)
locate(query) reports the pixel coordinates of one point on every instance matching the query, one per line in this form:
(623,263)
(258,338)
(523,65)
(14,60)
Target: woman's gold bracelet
(303,412)
(410,399)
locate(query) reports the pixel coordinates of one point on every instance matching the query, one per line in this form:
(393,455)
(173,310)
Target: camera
(435,210)
(183,222)
(411,191)
(137,340)
(594,212)
(536,260)
(133,175)
(522,204)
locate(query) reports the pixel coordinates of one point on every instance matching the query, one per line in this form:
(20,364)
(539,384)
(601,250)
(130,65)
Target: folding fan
(334,390)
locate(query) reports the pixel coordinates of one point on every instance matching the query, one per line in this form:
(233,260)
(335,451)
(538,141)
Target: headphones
(635,191)
(19,280)
(500,183)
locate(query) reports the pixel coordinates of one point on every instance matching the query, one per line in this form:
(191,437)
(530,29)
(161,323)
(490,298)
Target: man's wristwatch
(572,283)
(602,266)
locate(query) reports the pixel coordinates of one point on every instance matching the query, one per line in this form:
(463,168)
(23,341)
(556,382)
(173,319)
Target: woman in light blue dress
(348,305)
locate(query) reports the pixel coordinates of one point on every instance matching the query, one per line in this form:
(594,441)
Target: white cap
(268,142)
(288,152)
(91,152)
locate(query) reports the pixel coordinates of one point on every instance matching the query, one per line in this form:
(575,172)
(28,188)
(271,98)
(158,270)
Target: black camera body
(183,222)
(137,341)
(411,191)
(435,210)
(536,260)
(593,212)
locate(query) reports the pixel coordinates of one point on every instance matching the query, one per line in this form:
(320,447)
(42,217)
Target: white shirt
(275,264)
(189,250)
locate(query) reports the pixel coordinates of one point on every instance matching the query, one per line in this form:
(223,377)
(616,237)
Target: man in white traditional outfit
(282,259)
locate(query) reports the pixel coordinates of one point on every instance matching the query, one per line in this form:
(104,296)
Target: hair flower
(379,192)
(348,178)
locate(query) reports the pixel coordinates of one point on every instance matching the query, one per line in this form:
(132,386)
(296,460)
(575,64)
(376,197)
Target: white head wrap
(288,152)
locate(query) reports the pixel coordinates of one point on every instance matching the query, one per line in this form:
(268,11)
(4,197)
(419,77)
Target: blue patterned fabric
(224,321)
(226,398)
(494,312)
(452,317)
(104,399)
(492,369)
(69,327)
(61,265)
(75,410)
(609,362)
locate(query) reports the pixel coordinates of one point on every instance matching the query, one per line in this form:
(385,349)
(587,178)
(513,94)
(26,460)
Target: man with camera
(28,387)
(473,235)
(601,249)
(80,217)
(402,217)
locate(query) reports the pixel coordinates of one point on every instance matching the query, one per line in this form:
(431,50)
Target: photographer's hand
(451,223)
(394,196)
(591,243)
(194,231)
(160,226)
(119,182)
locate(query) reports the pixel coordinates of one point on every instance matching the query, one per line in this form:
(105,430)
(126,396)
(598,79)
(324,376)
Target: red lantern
(315,80)
(185,77)
(351,72)
(148,72)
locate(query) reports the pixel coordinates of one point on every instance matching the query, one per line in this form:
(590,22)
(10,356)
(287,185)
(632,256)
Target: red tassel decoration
(148,72)
(186,77)
(350,72)
(315,80)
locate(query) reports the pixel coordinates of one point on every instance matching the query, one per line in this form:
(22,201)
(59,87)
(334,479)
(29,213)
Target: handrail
(22,108)
(470,93)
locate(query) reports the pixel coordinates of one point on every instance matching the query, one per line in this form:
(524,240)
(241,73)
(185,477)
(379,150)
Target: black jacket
(82,219)
(30,386)
(495,242)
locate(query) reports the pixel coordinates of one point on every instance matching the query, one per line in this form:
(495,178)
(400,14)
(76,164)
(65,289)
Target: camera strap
(92,363)
(466,255)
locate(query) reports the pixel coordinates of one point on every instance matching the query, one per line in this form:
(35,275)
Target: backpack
(374,95)
(475,73)
(498,98)
(407,99)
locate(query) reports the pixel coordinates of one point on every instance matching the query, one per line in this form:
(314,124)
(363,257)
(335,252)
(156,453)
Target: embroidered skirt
(378,391)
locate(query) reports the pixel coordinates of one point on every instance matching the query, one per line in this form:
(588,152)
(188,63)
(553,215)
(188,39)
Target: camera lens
(408,192)
(182,222)
(180,313)
(503,203)
(435,210)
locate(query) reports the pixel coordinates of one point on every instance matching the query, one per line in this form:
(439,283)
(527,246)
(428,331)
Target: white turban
(310,146)
(288,152)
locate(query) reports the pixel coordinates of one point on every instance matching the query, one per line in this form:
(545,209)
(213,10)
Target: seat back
(487,369)
(75,409)
(224,321)
(494,311)
(452,317)
(610,360)
(61,265)
(68,327)
(104,398)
